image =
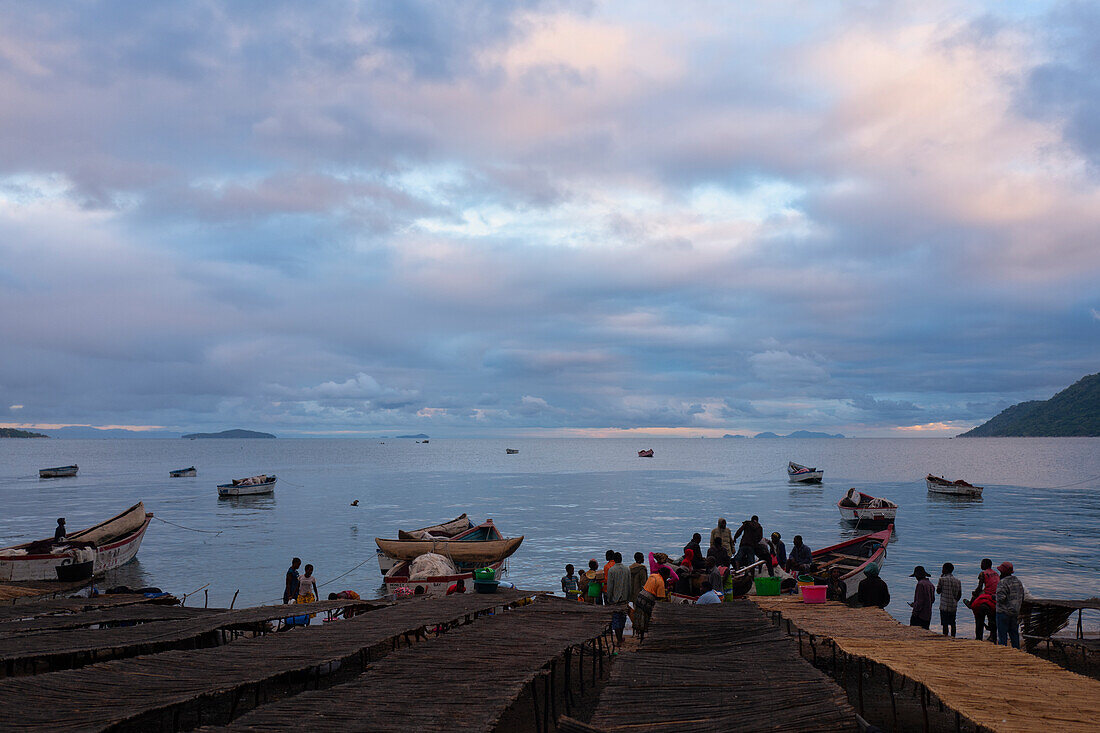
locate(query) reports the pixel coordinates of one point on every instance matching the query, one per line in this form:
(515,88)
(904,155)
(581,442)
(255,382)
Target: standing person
(594,592)
(654,588)
(290,592)
(923,597)
(722,532)
(801,557)
(1010,596)
(988,578)
(569,585)
(638,576)
(950,591)
(698,561)
(984,606)
(763,552)
(750,533)
(609,556)
(872,590)
(307,586)
(618,592)
(780,550)
(59,531)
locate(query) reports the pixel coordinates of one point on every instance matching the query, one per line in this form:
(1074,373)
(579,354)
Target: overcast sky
(557,218)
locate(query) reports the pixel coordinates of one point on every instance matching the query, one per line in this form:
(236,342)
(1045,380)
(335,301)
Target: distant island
(1073,412)
(799,434)
(419,436)
(13,433)
(231,434)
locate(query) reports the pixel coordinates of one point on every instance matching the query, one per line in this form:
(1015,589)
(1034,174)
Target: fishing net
(430,565)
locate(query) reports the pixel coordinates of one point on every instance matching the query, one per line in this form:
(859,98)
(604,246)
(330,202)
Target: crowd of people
(710,577)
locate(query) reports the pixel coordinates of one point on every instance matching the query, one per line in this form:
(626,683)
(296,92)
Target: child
(595,583)
(569,584)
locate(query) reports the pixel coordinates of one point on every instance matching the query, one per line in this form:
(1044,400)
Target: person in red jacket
(984,607)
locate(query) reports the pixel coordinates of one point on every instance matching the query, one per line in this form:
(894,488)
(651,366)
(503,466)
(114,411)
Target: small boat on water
(648,453)
(434,574)
(450,528)
(859,507)
(798,473)
(854,556)
(81,555)
(940,485)
(182,472)
(261,484)
(437,562)
(58,471)
(511,451)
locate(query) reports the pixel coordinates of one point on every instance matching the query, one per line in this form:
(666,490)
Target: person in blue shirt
(570,584)
(709,595)
(801,557)
(291,590)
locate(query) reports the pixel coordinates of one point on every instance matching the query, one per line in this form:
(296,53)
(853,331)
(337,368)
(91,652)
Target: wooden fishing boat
(460,549)
(398,578)
(453,527)
(648,453)
(859,507)
(261,484)
(511,451)
(182,472)
(853,557)
(803,474)
(940,485)
(58,471)
(97,549)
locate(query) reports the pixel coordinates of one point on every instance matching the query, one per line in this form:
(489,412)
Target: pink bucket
(813,593)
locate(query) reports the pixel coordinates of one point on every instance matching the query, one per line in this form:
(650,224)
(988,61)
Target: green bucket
(485,574)
(767,586)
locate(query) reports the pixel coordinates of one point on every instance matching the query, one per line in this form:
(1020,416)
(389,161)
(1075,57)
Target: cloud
(783,366)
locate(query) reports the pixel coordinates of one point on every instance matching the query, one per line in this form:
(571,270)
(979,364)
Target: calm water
(571,499)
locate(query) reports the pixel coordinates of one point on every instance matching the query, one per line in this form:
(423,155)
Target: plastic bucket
(485,586)
(814,593)
(804,580)
(767,586)
(485,574)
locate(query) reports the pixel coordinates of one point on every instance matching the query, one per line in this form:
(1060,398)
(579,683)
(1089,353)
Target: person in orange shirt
(654,588)
(610,557)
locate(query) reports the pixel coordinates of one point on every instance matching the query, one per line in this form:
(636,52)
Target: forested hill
(1075,411)
(13,433)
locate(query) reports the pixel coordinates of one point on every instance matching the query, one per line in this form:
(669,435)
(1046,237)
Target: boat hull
(44,566)
(868,514)
(437,584)
(807,477)
(183,473)
(457,550)
(877,558)
(266,487)
(953,489)
(58,472)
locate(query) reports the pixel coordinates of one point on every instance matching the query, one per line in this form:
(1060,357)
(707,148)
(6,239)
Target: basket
(768,586)
(485,574)
(804,580)
(814,593)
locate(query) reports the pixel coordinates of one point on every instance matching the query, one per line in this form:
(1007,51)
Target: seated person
(720,554)
(709,595)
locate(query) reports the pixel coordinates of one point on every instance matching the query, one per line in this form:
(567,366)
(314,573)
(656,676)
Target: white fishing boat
(261,484)
(798,473)
(58,471)
(80,555)
(859,507)
(940,485)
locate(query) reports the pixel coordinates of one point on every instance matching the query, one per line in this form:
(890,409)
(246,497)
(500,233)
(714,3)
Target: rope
(1064,486)
(191,529)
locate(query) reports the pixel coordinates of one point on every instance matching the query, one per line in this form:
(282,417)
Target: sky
(570,218)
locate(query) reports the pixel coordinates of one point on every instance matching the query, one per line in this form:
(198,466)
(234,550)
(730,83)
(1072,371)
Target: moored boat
(97,549)
(58,471)
(183,472)
(854,556)
(803,474)
(434,574)
(859,507)
(511,451)
(261,484)
(648,453)
(940,485)
(450,528)
(480,545)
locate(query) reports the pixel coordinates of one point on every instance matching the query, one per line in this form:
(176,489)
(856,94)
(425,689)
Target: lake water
(570,499)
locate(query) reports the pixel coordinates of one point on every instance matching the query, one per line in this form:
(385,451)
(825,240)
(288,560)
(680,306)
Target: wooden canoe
(459,551)
(459,524)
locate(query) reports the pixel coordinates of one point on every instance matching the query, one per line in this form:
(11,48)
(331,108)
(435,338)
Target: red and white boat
(859,507)
(854,556)
(647,453)
(940,485)
(82,554)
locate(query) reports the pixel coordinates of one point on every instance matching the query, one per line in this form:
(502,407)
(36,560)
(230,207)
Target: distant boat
(854,556)
(859,507)
(940,485)
(181,472)
(80,555)
(803,474)
(450,528)
(648,453)
(57,472)
(511,451)
(261,484)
